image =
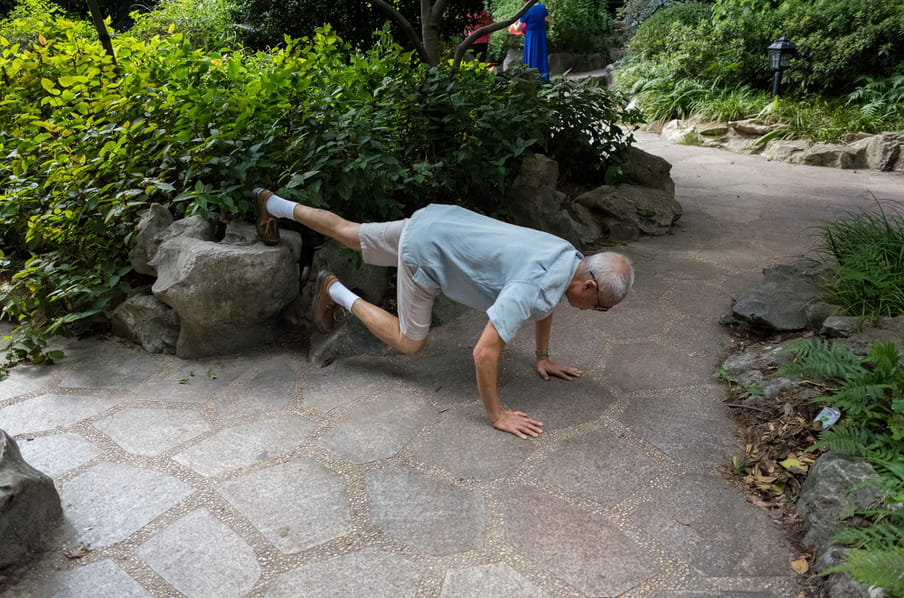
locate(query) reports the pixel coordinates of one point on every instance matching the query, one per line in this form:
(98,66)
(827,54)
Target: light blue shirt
(512,273)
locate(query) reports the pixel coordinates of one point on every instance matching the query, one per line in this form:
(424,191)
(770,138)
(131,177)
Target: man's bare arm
(545,366)
(486,366)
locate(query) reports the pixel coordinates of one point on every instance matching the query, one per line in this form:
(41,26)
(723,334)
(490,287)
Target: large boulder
(533,200)
(227,295)
(624,212)
(611,212)
(645,169)
(29,505)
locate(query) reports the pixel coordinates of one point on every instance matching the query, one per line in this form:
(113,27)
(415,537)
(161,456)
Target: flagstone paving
(268,475)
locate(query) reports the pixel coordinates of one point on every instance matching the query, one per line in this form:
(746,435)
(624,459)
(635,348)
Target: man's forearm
(542,333)
(486,367)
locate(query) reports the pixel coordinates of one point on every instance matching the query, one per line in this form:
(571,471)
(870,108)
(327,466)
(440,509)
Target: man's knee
(410,346)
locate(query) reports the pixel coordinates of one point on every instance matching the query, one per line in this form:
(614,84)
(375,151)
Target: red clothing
(478,20)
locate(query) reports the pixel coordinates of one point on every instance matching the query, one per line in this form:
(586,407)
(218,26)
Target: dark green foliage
(869,250)
(636,12)
(672,29)
(355,21)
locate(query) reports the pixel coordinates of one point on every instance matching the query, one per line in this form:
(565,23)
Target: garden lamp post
(780,54)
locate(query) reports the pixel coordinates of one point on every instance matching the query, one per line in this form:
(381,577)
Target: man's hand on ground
(547,368)
(519,424)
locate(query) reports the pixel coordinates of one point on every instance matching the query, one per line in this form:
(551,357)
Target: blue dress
(535,55)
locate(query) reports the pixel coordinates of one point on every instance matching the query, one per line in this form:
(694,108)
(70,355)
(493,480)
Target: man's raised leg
(330,293)
(270,206)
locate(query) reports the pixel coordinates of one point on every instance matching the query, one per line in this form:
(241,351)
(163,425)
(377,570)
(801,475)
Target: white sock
(280,208)
(342,295)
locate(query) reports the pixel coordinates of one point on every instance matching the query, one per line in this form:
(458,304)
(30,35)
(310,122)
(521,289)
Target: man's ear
(589,283)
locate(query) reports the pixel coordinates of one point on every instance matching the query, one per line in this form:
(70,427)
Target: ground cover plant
(868,249)
(710,59)
(869,392)
(372,134)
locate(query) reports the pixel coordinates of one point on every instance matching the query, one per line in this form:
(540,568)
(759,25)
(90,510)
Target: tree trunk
(101,27)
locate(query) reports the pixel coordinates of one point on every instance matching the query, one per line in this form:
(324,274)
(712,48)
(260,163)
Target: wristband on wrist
(542,352)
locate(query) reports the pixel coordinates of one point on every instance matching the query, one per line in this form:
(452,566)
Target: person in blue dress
(535,54)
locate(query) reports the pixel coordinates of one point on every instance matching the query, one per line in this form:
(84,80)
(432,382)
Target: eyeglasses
(598,307)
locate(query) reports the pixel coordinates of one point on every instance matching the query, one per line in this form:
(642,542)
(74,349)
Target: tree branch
(466,44)
(402,22)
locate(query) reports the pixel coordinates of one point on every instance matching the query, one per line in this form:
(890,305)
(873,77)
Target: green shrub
(840,40)
(672,29)
(207,23)
(636,12)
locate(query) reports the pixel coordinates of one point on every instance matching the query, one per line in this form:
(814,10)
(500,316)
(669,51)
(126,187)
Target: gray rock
(147,321)
(227,296)
(650,211)
(835,486)
(783,150)
(831,154)
(713,129)
(647,170)
(512,58)
(780,301)
(147,239)
(883,151)
(675,131)
(534,202)
(750,127)
(29,505)
(840,326)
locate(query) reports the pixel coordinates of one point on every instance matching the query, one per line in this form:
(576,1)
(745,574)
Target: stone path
(267,476)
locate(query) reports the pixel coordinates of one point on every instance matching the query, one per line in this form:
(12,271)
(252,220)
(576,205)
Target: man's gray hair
(614,273)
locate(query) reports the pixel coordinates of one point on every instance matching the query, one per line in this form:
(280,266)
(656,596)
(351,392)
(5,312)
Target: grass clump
(868,248)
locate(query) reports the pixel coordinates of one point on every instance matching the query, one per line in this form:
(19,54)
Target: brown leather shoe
(326,312)
(267,225)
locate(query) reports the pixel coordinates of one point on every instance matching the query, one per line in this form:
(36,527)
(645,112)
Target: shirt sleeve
(517,303)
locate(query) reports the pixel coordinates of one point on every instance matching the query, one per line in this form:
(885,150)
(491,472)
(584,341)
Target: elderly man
(514,274)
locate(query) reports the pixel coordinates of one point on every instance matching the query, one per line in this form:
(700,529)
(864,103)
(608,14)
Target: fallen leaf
(794,465)
(801,566)
(682,521)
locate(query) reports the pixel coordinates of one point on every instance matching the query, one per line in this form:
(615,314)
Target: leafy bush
(869,250)
(672,29)
(372,135)
(206,23)
(636,12)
